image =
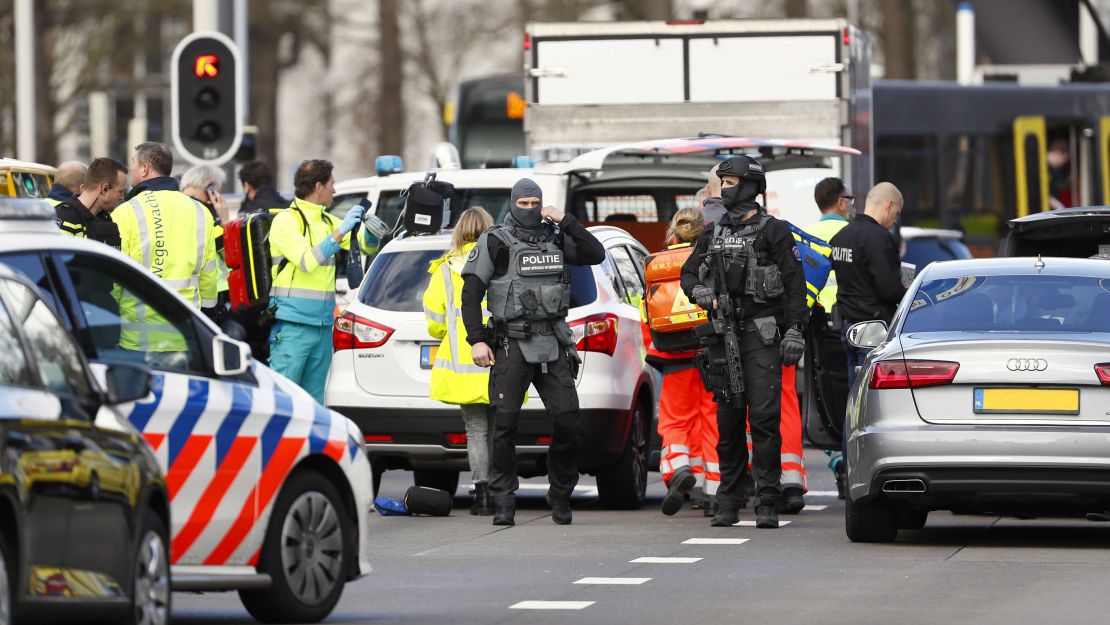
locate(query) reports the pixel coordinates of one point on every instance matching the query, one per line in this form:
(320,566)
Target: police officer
(868,268)
(86,215)
(766,285)
(519,267)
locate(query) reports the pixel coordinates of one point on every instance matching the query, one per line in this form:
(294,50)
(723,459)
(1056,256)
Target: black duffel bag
(426,205)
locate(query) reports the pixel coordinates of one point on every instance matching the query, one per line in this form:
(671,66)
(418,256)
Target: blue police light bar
(388,164)
(523,162)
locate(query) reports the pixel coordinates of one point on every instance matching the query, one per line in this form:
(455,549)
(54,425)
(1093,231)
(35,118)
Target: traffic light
(207,99)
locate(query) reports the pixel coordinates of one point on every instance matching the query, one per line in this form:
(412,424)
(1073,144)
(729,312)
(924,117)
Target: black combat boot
(504,511)
(766,516)
(709,505)
(728,514)
(560,510)
(482,504)
(792,501)
(681,483)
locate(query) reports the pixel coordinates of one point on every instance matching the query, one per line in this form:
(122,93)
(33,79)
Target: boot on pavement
(504,512)
(766,516)
(483,503)
(709,506)
(792,501)
(560,510)
(681,483)
(728,514)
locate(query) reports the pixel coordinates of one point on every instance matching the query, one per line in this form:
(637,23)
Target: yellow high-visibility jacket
(824,229)
(172,235)
(455,377)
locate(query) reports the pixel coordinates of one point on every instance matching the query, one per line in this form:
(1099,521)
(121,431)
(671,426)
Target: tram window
(911,161)
(973,178)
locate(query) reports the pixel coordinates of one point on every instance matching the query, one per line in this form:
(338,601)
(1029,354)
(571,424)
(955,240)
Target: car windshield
(397,280)
(1011,304)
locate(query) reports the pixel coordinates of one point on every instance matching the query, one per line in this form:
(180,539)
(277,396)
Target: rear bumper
(418,437)
(978,468)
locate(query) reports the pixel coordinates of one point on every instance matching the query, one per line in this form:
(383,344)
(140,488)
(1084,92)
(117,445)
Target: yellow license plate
(1027,400)
(428,355)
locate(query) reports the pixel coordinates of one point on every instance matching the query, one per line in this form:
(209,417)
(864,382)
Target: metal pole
(206,15)
(1088,36)
(965,43)
(25,79)
(242,39)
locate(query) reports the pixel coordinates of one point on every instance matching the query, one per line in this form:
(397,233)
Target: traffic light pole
(25,79)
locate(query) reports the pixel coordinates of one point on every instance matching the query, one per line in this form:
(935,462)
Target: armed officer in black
(520,269)
(767,290)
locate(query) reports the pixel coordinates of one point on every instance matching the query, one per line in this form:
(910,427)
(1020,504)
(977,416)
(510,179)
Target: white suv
(381,373)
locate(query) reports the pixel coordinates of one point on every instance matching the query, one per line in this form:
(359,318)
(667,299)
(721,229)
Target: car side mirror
(230,357)
(867,334)
(127,382)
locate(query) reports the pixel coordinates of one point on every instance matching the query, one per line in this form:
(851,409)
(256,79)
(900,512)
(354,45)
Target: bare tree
(898,38)
(391,121)
(796,8)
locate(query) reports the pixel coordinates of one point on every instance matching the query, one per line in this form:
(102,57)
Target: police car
(269,491)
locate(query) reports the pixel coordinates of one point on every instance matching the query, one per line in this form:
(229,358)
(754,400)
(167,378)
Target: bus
(487,121)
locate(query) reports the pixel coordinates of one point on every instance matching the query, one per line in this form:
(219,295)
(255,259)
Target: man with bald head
(868,268)
(67,182)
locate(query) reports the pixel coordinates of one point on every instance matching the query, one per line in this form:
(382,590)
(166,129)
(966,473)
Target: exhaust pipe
(904,486)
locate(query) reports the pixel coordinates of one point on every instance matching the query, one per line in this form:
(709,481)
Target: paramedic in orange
(687,412)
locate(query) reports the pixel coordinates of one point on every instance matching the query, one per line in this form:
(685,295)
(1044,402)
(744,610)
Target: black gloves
(793,347)
(703,297)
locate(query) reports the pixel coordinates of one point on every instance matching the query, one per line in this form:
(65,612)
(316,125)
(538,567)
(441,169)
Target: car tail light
(1103,373)
(912,373)
(543,440)
(456,439)
(596,333)
(353,332)
(378,438)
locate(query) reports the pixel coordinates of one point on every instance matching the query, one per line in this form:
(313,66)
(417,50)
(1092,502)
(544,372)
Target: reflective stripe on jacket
(455,377)
(825,229)
(171,234)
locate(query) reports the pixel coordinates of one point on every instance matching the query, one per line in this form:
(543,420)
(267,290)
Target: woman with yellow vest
(455,377)
(304,240)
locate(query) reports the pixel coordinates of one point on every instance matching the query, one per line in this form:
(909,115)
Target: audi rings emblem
(1027,364)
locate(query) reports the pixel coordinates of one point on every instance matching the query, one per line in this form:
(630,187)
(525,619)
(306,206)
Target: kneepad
(428,501)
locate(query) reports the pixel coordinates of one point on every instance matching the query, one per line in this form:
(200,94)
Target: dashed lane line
(752,523)
(715,541)
(551,605)
(811,508)
(614,581)
(664,560)
(822,493)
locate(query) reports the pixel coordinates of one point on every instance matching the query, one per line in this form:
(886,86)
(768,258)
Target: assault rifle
(724,322)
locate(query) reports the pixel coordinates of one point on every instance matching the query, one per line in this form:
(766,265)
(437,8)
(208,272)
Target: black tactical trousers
(508,382)
(760,404)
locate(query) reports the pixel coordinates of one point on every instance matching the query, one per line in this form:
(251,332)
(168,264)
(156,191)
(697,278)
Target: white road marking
(809,508)
(822,493)
(616,581)
(752,523)
(551,605)
(584,491)
(664,560)
(715,541)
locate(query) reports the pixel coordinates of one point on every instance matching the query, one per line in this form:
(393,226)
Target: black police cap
(744,167)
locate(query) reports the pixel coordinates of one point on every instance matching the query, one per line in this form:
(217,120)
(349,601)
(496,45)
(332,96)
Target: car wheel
(869,522)
(909,519)
(622,485)
(8,579)
(443,480)
(306,553)
(150,596)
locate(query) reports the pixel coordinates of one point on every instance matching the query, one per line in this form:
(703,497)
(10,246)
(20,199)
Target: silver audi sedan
(990,392)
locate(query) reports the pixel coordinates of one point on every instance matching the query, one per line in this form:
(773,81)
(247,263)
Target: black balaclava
(740,199)
(527,218)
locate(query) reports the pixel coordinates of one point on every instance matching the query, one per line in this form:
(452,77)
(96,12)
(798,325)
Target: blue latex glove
(352,219)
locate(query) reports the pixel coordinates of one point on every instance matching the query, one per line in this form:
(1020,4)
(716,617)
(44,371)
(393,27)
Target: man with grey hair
(67,182)
(203,184)
(169,233)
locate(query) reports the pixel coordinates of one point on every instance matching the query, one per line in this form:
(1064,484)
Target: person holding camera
(519,268)
(748,262)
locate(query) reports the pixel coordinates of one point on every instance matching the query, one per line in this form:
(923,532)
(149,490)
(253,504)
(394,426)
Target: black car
(84,513)
(1080,232)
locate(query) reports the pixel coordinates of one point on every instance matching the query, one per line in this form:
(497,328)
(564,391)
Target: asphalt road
(959,569)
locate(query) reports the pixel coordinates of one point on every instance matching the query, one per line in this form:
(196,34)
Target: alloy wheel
(152,581)
(312,547)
